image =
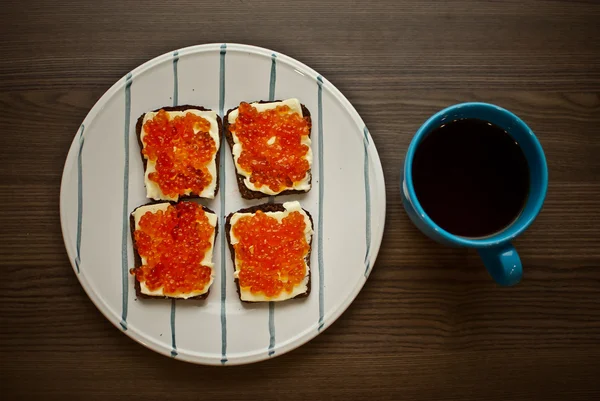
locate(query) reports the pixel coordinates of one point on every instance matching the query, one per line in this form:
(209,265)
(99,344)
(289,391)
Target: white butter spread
(207,261)
(295,107)
(152,189)
(301,288)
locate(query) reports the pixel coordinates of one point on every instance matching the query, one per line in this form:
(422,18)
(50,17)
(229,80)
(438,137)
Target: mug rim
(494,239)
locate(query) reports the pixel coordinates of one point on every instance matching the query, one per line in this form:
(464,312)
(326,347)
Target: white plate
(103,182)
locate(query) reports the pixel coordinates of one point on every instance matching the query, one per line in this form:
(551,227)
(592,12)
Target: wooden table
(429,324)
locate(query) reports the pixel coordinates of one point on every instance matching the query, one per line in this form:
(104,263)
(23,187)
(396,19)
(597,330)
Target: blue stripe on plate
(175,79)
(175,102)
(173,343)
(271,328)
(79,197)
(125,230)
(367,202)
(222,214)
(321,195)
(272,82)
(273,79)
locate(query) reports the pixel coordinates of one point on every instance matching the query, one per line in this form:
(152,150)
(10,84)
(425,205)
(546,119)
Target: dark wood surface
(429,324)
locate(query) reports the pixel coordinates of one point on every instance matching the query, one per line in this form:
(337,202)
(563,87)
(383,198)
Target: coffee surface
(471,177)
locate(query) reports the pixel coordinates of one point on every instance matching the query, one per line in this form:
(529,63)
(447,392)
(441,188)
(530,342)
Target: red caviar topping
(271,145)
(270,255)
(181,154)
(174,243)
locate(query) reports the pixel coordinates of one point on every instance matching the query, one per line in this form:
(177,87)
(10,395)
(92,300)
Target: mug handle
(503,263)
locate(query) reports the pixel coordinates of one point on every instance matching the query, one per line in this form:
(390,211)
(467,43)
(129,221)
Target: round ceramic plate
(103,182)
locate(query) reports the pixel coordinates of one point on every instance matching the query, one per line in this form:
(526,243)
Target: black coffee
(471,177)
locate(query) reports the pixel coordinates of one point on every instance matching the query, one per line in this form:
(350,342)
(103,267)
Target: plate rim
(240,358)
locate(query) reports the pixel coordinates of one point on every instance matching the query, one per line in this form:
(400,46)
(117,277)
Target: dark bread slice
(246,192)
(138,259)
(138,132)
(267,207)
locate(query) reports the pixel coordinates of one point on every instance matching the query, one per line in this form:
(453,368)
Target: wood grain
(429,324)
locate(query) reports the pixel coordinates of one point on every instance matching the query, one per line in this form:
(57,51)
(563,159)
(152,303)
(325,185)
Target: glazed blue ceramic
(498,254)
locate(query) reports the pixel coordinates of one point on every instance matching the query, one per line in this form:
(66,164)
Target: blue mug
(498,254)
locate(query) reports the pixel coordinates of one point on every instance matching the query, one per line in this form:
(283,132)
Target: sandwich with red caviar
(270,247)
(271,147)
(173,250)
(180,151)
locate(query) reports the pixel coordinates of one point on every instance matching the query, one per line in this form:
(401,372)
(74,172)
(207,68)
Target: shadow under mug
(498,254)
